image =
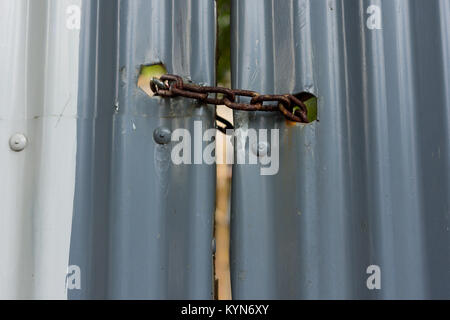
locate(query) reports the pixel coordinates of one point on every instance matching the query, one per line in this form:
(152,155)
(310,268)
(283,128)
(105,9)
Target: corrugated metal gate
(369,183)
(142,227)
(92,195)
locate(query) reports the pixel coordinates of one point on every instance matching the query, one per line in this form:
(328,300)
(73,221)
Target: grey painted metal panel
(369,183)
(142,227)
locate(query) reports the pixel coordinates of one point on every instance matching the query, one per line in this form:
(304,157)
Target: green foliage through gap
(224,42)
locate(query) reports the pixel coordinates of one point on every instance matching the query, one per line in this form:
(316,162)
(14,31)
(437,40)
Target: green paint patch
(148,72)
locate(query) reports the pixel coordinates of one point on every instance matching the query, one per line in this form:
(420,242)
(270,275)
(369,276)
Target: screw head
(162,135)
(18,142)
(261,149)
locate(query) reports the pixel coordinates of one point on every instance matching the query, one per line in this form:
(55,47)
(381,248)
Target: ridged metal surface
(142,226)
(92,189)
(39,64)
(369,183)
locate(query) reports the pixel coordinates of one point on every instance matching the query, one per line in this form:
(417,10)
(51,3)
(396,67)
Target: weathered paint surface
(369,183)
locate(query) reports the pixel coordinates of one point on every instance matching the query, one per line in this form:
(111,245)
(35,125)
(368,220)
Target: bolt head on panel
(18,142)
(162,135)
(260,149)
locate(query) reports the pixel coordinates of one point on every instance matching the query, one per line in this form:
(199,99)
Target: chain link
(169,85)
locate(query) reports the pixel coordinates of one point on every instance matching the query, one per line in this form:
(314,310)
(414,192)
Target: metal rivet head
(261,149)
(18,142)
(162,135)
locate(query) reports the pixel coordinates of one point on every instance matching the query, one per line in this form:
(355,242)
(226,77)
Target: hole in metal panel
(146,73)
(310,102)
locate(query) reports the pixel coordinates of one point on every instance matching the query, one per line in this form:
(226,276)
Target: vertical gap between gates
(224,171)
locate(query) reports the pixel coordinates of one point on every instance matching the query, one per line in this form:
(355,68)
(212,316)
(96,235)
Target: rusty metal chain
(169,85)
